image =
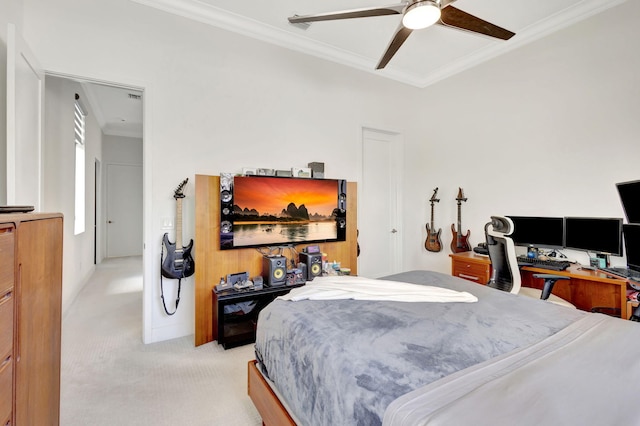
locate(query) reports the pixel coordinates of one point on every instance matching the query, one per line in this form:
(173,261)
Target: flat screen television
(632,245)
(630,197)
(260,211)
(594,234)
(536,231)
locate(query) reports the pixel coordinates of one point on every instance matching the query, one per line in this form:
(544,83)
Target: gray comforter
(342,362)
(586,374)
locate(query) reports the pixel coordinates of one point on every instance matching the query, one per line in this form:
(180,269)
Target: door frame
(147,220)
(97,205)
(397,163)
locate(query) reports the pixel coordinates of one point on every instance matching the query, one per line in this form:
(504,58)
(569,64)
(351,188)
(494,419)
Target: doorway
(379,224)
(118,109)
(119,183)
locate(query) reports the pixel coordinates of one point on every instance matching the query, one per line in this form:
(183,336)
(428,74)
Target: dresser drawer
(6,324)
(472,272)
(7,250)
(6,389)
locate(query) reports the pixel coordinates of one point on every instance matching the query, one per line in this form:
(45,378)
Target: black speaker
(226,210)
(341,212)
(274,270)
(313,262)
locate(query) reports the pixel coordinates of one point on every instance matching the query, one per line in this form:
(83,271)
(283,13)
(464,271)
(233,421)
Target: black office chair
(506,273)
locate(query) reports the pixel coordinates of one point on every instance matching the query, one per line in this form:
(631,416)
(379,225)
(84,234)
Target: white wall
(59,182)
(10,12)
(216,101)
(547,129)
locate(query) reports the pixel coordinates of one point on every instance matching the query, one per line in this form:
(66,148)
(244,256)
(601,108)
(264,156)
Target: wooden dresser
(30,318)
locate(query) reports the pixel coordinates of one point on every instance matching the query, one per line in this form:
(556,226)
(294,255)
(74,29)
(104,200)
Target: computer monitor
(630,197)
(539,232)
(599,235)
(632,245)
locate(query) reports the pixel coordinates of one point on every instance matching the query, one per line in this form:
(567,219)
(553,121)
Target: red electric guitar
(433,242)
(460,242)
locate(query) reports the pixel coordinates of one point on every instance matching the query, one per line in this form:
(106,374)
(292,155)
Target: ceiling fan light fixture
(421,14)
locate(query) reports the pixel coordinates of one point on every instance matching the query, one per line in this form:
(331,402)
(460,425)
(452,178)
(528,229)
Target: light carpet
(109,377)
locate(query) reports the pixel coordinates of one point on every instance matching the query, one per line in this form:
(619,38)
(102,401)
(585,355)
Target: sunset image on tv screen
(272,210)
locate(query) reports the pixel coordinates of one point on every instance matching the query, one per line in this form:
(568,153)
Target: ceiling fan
(416,14)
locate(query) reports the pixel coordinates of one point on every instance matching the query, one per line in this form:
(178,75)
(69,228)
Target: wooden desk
(585,289)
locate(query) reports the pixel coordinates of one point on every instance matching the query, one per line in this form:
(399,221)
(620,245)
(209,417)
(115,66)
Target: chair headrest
(501,225)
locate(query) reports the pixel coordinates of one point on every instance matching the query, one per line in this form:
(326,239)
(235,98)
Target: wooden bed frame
(266,401)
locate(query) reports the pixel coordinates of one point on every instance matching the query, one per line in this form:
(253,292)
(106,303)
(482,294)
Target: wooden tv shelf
(213,263)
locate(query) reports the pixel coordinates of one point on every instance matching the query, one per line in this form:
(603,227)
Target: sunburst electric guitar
(460,242)
(433,242)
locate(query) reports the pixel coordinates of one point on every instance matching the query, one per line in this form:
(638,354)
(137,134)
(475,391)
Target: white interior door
(124,210)
(25,106)
(378,210)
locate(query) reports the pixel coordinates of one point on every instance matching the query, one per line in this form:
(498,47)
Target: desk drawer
(6,324)
(7,250)
(6,389)
(472,272)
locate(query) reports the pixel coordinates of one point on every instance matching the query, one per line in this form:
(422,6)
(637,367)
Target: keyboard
(621,272)
(554,265)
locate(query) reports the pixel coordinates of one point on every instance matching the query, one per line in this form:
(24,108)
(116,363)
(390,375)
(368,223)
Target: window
(79,129)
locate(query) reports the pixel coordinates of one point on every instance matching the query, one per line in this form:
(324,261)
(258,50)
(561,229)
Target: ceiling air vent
(134,96)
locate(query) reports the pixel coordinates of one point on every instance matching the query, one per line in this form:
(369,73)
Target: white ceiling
(117,110)
(427,56)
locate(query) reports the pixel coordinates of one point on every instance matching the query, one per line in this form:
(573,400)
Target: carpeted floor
(109,377)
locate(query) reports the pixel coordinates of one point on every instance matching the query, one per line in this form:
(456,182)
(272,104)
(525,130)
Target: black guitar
(178,262)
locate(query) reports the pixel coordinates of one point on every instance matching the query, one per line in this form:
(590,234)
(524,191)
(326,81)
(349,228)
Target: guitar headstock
(433,197)
(178,192)
(460,196)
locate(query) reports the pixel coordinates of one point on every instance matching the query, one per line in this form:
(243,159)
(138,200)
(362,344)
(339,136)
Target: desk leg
(624,312)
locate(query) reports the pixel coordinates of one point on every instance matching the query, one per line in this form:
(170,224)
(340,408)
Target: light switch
(167,223)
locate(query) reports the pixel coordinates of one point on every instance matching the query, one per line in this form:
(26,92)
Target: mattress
(343,362)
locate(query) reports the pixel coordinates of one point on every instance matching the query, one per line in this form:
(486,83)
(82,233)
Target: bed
(502,359)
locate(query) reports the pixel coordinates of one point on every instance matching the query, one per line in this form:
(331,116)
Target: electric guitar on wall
(460,242)
(178,262)
(433,242)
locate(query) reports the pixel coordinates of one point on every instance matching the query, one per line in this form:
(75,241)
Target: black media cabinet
(232,330)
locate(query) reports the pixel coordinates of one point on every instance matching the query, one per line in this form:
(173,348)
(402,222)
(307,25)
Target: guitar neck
(179,224)
(431,215)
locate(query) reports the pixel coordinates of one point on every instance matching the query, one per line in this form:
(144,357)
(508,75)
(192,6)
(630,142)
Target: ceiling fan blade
(452,17)
(394,9)
(402,33)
